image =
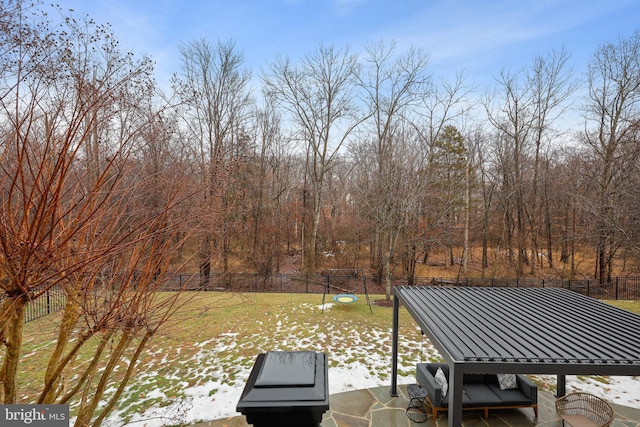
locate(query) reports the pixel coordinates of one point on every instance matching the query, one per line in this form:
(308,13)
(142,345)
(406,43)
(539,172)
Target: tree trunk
(67,325)
(549,235)
(601,255)
(13,308)
(127,376)
(386,274)
(467,220)
(312,256)
(88,409)
(205,260)
(409,262)
(565,248)
(89,371)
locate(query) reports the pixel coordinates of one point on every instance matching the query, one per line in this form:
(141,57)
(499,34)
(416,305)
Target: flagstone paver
(342,420)
(376,408)
(358,405)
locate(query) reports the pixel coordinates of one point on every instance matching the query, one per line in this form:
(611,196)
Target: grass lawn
(211,344)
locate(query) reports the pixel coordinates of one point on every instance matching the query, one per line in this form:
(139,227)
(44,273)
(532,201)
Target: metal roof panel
(528,325)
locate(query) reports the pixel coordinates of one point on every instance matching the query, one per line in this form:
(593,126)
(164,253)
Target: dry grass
(214,339)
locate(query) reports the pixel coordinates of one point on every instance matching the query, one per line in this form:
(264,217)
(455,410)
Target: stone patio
(374,407)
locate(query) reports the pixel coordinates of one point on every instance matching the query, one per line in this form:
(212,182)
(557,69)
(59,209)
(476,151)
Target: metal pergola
(519,330)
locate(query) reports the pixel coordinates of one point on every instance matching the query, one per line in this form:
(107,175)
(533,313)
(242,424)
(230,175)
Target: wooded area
(338,159)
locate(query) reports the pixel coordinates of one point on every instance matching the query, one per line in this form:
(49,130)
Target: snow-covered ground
(359,358)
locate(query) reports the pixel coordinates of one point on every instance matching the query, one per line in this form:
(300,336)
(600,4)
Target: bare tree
(487,188)
(522,110)
(71,223)
(400,193)
(443,104)
(612,112)
(214,89)
(393,84)
(270,182)
(550,80)
(317,94)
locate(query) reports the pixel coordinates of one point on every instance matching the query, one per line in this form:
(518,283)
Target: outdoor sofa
(480,391)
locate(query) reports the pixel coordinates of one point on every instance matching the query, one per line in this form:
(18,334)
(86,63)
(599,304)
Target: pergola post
(561,387)
(456,375)
(394,347)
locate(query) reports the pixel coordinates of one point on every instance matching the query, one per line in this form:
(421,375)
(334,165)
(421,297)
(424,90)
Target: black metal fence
(620,288)
(52,301)
(282,283)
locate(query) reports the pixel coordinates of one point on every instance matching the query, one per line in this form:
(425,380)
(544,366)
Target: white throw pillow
(441,379)
(507,381)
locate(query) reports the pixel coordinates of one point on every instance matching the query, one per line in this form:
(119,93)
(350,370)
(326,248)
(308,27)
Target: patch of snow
(359,357)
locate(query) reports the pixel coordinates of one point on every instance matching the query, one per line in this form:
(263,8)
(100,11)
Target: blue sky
(479,36)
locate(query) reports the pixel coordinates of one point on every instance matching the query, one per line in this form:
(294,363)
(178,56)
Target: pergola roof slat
(509,324)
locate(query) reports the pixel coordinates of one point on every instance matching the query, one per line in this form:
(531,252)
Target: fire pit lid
(286,379)
(287,369)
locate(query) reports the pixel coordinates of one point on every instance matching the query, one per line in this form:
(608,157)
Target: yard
(196,367)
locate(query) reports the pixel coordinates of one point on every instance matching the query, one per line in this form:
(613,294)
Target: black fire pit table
(286,388)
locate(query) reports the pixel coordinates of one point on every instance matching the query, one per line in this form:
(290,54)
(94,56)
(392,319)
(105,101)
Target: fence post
(48,303)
